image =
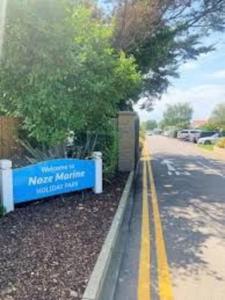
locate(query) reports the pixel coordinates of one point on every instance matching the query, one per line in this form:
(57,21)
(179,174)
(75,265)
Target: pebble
(8,291)
(8,298)
(73,293)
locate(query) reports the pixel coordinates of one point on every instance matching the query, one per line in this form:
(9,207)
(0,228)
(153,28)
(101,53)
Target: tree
(59,71)
(161,35)
(150,125)
(178,115)
(217,119)
(209,126)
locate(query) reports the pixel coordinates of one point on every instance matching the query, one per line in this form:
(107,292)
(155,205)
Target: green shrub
(82,145)
(71,79)
(105,141)
(2,210)
(141,137)
(110,155)
(221,143)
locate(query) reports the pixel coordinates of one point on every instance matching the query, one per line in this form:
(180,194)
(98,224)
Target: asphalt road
(190,195)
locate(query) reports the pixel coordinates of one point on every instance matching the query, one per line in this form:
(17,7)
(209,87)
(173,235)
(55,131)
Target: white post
(98,188)
(6,185)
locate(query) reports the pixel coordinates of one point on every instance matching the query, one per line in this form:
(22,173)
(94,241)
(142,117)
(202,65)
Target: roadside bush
(105,141)
(34,153)
(110,154)
(64,76)
(221,143)
(141,137)
(79,145)
(2,210)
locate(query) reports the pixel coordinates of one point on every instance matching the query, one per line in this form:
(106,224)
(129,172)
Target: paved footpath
(176,246)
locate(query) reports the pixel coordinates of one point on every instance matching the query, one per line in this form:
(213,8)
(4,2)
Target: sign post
(97,156)
(6,185)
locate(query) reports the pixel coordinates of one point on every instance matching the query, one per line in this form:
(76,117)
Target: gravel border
(48,249)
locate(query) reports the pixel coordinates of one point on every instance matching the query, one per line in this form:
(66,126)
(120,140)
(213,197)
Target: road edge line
(164,277)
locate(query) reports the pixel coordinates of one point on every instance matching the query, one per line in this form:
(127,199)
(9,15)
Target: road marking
(169,165)
(144,292)
(164,280)
(172,170)
(210,169)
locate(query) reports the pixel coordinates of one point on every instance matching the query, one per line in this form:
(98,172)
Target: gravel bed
(48,248)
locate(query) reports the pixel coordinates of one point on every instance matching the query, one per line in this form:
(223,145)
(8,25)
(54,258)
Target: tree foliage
(150,125)
(59,71)
(178,115)
(217,119)
(161,35)
(68,66)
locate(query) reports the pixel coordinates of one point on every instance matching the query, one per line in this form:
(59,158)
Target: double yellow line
(144,278)
(144,262)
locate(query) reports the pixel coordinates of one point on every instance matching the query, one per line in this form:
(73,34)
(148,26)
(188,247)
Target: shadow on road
(193,214)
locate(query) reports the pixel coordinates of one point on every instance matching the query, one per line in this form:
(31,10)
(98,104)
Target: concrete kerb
(101,269)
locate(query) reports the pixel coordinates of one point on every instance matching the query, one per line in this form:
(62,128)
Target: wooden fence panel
(9,145)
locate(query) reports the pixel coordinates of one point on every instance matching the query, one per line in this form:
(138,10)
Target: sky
(201,83)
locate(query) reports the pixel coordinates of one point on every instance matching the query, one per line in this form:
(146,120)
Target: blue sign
(51,178)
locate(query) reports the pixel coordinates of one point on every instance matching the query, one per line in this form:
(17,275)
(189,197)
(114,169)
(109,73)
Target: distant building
(198,123)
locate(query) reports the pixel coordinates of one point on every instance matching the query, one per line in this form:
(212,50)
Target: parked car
(170,131)
(194,137)
(157,131)
(149,133)
(183,134)
(166,133)
(210,140)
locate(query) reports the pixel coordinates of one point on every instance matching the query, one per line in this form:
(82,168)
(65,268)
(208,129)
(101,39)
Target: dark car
(202,134)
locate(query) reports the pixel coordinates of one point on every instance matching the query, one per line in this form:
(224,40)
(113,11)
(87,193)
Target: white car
(149,133)
(166,133)
(210,140)
(194,134)
(183,134)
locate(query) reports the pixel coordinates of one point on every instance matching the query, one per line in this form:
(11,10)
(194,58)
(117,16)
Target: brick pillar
(128,141)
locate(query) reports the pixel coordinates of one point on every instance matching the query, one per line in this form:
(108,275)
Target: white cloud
(200,84)
(189,66)
(196,64)
(203,99)
(219,74)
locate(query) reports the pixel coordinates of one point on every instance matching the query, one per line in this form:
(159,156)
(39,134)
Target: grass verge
(206,147)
